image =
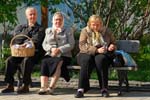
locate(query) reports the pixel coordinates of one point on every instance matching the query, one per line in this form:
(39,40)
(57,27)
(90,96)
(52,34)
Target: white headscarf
(58,29)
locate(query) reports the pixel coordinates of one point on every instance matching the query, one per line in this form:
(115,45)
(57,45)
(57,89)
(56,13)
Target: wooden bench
(129,46)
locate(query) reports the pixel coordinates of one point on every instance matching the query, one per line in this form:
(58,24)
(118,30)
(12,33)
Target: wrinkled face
(95,25)
(31,16)
(58,21)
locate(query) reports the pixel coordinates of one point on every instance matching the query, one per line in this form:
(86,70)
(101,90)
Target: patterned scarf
(97,39)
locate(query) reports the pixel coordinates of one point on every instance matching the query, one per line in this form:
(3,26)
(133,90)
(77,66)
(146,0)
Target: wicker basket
(22,51)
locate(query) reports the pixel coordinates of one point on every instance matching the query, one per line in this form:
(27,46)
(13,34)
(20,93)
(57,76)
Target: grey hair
(30,8)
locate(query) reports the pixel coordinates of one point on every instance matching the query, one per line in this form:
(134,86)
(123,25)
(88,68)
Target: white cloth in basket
(27,44)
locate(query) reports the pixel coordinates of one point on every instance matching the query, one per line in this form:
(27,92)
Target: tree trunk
(44,16)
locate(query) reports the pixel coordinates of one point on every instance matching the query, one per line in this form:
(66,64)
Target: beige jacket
(85,41)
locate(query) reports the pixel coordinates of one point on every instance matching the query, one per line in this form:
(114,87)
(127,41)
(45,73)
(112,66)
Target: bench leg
(19,82)
(123,78)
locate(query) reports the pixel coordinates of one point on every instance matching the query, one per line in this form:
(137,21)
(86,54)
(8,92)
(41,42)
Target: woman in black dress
(58,43)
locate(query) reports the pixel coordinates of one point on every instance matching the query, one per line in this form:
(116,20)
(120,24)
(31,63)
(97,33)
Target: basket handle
(20,36)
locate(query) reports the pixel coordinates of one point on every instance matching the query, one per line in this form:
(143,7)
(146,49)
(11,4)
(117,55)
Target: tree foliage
(128,19)
(8,13)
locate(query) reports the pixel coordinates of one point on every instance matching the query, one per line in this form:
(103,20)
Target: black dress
(49,65)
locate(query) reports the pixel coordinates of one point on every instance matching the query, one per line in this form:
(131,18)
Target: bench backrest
(130,46)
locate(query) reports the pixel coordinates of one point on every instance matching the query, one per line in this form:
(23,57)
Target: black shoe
(8,89)
(79,94)
(23,89)
(105,94)
(119,93)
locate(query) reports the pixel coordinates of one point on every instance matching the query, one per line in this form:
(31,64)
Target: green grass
(143,72)
(36,74)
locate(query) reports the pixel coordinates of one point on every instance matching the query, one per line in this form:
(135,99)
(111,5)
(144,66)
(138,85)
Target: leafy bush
(5,52)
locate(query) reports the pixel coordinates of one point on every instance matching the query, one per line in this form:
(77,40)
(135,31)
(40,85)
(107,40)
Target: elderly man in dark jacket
(34,31)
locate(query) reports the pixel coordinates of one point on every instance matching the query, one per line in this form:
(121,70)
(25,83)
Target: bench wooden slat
(124,68)
(76,67)
(130,46)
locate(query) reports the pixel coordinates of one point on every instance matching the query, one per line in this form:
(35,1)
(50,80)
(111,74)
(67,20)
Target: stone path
(68,94)
(66,91)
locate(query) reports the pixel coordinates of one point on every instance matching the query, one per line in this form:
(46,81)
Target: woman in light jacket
(58,43)
(97,46)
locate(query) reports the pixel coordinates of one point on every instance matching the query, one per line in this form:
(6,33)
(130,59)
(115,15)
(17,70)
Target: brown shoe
(8,89)
(23,89)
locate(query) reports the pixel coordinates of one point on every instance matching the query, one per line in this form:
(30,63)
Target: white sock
(81,89)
